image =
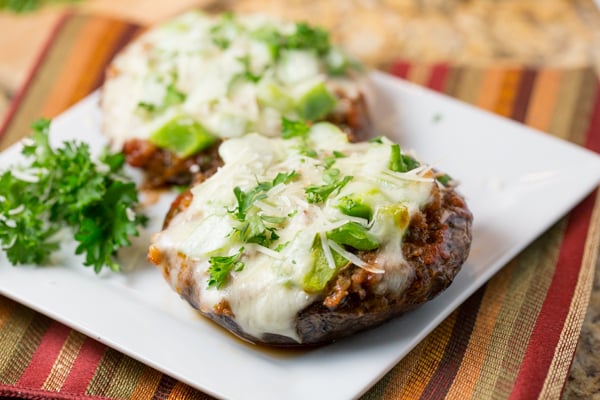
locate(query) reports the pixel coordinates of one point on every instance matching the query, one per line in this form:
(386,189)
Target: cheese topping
(287,214)
(230,74)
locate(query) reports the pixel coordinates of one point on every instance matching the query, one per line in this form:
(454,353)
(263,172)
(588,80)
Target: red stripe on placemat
(400,69)
(438,77)
(16,101)
(592,141)
(553,314)
(44,357)
(85,366)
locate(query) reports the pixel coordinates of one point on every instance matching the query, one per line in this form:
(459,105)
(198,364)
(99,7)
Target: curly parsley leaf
(61,188)
(221,267)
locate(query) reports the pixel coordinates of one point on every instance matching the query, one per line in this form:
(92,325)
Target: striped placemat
(514,338)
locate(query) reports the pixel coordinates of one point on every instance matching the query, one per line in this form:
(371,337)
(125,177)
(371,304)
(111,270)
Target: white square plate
(517,182)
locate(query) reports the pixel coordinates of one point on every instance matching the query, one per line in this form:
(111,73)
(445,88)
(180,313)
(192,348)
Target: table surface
(557,33)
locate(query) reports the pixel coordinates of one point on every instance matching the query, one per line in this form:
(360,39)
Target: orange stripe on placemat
(84,367)
(490,88)
(6,307)
(505,102)
(43,359)
(543,99)
(182,391)
(147,384)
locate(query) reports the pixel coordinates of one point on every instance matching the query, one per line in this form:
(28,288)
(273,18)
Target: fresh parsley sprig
(221,266)
(63,187)
(333,181)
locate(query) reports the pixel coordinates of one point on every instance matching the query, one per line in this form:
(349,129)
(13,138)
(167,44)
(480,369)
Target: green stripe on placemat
(515,337)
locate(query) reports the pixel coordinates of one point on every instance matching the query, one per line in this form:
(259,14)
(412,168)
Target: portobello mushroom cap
(431,247)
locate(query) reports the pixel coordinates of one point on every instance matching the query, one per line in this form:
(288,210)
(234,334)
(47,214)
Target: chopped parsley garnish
(246,200)
(377,139)
(172,97)
(401,162)
(254,227)
(290,128)
(284,178)
(221,267)
(331,177)
(63,187)
(248,74)
(219,32)
(330,160)
(308,37)
(305,37)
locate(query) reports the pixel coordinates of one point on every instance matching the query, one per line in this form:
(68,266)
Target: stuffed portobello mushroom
(307,238)
(175,92)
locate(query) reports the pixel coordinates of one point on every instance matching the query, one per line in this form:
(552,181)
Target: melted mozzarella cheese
(267,294)
(207,60)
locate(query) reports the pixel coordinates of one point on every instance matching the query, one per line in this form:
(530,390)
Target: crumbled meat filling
(423,247)
(181,202)
(164,168)
(155,256)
